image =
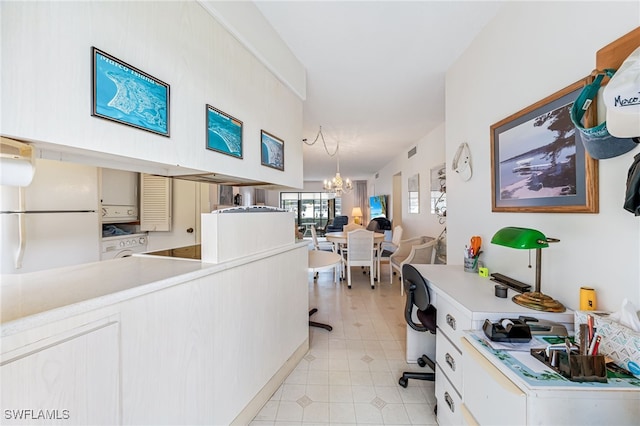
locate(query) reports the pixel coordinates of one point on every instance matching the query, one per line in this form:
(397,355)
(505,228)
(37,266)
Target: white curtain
(360,199)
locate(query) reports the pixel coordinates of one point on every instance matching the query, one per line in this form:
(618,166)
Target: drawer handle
(450,361)
(449,401)
(451,321)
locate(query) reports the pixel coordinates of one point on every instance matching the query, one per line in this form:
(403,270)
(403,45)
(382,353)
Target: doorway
(396,197)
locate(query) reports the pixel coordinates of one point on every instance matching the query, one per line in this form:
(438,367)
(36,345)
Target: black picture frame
(271,150)
(224,132)
(124,94)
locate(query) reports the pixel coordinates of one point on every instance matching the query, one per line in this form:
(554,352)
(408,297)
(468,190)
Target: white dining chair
(360,252)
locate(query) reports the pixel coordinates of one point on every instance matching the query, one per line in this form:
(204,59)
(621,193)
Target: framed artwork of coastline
(224,133)
(272,150)
(538,161)
(126,95)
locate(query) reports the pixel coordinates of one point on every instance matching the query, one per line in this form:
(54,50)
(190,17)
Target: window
(311,207)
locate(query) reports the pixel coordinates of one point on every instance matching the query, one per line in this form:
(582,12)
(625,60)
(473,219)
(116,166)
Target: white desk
(464,300)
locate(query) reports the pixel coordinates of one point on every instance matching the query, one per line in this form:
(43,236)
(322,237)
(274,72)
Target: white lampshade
(356,212)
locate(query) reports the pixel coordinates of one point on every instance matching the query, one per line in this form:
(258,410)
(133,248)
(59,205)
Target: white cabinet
(451,323)
(463,302)
(489,396)
(71,379)
(119,187)
(171,209)
(496,394)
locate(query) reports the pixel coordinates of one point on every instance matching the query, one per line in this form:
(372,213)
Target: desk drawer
(449,402)
(452,322)
(450,360)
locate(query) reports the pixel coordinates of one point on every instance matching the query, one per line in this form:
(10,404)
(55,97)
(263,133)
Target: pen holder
(470,264)
(577,368)
(582,368)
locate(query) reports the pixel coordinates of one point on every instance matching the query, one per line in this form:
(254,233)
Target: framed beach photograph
(538,162)
(224,132)
(127,95)
(272,150)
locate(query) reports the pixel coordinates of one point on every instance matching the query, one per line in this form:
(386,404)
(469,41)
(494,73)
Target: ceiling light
(336,185)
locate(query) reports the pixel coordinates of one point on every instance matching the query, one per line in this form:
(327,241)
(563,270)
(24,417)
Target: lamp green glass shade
(525,238)
(520,238)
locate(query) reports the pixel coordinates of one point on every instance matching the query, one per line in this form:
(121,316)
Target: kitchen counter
(37,298)
(150,339)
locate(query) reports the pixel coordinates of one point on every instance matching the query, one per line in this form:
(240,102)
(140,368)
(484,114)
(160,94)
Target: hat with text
(597,141)
(622,99)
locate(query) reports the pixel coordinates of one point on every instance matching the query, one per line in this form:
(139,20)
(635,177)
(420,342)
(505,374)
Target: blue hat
(598,142)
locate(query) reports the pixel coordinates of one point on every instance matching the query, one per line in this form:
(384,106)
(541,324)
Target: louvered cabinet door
(155,203)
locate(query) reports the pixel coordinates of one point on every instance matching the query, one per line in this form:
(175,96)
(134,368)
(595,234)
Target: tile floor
(350,375)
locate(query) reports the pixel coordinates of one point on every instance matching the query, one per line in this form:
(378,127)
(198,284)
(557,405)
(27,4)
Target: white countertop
(33,299)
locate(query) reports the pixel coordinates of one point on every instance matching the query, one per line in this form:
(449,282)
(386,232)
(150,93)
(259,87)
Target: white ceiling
(375,73)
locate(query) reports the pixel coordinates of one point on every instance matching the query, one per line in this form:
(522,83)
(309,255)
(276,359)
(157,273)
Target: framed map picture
(224,133)
(126,95)
(272,151)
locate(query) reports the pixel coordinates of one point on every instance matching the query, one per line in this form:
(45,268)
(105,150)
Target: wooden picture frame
(127,95)
(271,150)
(538,161)
(224,132)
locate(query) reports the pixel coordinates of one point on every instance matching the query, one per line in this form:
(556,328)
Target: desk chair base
(318,324)
(422,362)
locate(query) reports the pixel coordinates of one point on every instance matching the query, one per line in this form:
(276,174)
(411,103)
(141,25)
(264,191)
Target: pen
(593,348)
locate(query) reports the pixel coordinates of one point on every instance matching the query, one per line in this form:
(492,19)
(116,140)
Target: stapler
(544,327)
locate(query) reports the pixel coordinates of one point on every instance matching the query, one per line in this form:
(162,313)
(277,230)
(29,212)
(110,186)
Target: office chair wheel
(403,382)
(421,362)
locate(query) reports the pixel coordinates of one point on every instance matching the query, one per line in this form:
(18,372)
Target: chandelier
(336,185)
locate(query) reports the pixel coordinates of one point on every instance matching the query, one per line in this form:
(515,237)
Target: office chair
(418,294)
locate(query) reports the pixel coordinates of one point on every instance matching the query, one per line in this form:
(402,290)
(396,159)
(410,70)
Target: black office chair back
(417,292)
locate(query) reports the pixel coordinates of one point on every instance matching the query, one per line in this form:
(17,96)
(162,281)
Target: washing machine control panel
(118,246)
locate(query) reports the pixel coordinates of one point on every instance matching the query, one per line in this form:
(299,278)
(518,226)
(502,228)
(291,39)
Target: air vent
(412,152)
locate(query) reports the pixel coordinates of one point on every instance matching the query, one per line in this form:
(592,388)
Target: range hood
(220,179)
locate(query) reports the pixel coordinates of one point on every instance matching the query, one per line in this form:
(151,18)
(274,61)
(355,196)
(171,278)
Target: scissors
(476,243)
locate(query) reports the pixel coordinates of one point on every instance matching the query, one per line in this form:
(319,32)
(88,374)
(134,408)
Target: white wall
(46,86)
(529,51)
(430,153)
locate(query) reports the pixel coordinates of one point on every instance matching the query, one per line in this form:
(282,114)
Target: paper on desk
(506,346)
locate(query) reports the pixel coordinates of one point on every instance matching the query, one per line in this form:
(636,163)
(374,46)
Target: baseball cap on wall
(622,99)
(597,141)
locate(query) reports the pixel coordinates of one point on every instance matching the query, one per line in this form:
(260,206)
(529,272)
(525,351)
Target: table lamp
(525,238)
(356,213)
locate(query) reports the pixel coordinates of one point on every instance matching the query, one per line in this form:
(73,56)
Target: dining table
(339,240)
(321,260)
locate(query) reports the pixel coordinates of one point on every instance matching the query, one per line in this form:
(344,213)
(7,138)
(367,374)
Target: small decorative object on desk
(472,254)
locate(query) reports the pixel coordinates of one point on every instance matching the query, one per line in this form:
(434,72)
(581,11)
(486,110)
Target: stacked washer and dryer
(119,199)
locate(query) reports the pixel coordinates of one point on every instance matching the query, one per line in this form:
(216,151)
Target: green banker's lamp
(525,238)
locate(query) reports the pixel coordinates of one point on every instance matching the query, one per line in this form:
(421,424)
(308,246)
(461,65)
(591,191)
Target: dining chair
(351,227)
(417,250)
(360,252)
(322,246)
(387,248)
